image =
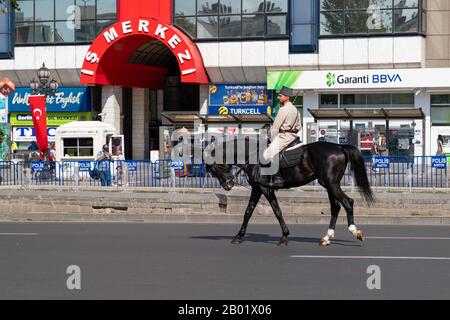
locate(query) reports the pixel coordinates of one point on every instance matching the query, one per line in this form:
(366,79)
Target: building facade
(360,68)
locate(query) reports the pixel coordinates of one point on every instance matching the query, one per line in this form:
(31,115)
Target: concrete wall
(247,62)
(112,107)
(438,34)
(141,124)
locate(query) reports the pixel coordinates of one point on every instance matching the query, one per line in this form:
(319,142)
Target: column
(141,124)
(423,100)
(112,107)
(204,97)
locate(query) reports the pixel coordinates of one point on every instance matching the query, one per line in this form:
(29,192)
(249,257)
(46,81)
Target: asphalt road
(194,261)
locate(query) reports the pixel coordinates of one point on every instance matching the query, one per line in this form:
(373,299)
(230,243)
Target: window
(440,109)
(303,26)
(232,19)
(62,21)
(6,34)
(78,147)
(370,17)
(370,101)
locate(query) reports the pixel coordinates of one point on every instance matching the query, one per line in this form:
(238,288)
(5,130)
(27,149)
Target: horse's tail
(359,171)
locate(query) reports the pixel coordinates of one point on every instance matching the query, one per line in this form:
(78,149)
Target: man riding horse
(285,128)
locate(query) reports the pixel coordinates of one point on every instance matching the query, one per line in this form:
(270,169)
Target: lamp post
(41,89)
(44,86)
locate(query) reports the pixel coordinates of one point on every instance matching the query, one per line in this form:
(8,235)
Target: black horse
(323,161)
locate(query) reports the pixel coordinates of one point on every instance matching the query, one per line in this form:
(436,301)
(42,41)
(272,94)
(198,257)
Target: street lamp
(43,87)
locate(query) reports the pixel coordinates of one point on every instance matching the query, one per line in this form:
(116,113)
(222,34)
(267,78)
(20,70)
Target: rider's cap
(287,91)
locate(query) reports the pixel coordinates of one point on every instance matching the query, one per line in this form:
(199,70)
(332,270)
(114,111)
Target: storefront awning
(350,114)
(186,118)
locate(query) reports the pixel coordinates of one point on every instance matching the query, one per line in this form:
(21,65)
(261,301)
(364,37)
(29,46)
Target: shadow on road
(265,238)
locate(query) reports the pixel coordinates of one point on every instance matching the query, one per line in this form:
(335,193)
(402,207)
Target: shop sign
(239,110)
(65,100)
(53,119)
(359,79)
(439,162)
(6,87)
(26,134)
(184,51)
(381,162)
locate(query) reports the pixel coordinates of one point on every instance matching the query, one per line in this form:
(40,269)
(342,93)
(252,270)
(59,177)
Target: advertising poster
(5,141)
(240,100)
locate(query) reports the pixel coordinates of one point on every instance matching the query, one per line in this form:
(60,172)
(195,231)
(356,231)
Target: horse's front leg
(270,195)
(254,199)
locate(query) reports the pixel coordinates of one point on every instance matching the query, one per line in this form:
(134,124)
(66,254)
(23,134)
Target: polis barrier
(402,172)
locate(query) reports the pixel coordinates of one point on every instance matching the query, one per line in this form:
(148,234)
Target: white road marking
(372,257)
(19,234)
(407,238)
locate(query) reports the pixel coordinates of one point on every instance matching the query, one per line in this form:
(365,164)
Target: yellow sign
(223,111)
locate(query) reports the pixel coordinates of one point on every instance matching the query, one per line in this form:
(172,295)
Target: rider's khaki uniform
(287,124)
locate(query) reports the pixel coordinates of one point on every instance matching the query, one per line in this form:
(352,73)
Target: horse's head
(216,164)
(223,173)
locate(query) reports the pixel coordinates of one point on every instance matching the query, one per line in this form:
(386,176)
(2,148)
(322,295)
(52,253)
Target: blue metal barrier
(405,172)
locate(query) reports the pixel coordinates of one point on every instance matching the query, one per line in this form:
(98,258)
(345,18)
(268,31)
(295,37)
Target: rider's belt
(289,131)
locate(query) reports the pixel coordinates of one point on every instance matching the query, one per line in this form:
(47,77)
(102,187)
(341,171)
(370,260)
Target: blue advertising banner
(66,100)
(238,110)
(381,162)
(239,99)
(439,162)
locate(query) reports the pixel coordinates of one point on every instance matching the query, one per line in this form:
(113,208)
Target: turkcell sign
(381,162)
(439,162)
(239,110)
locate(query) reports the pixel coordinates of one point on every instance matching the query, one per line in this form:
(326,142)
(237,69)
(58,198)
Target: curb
(210,219)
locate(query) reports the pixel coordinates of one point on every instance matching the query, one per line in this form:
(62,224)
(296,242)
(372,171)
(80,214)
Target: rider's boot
(271,181)
(276,181)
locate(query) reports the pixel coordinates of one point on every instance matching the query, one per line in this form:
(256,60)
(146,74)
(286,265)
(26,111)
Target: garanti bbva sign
(360,79)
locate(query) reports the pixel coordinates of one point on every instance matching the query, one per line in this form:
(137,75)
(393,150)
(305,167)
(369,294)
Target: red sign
(6,87)
(322,132)
(39,113)
(107,60)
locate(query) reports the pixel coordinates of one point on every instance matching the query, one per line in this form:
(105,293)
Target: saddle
(292,154)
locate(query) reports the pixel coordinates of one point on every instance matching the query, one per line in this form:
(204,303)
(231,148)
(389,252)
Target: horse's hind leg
(347,203)
(270,195)
(335,208)
(254,199)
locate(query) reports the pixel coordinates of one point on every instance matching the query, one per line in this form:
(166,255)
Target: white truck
(77,144)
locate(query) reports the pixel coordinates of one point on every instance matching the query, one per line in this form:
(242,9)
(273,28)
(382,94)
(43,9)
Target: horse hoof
(360,235)
(325,243)
(236,241)
(283,243)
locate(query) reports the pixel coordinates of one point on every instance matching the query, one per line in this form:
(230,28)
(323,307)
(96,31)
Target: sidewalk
(308,205)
